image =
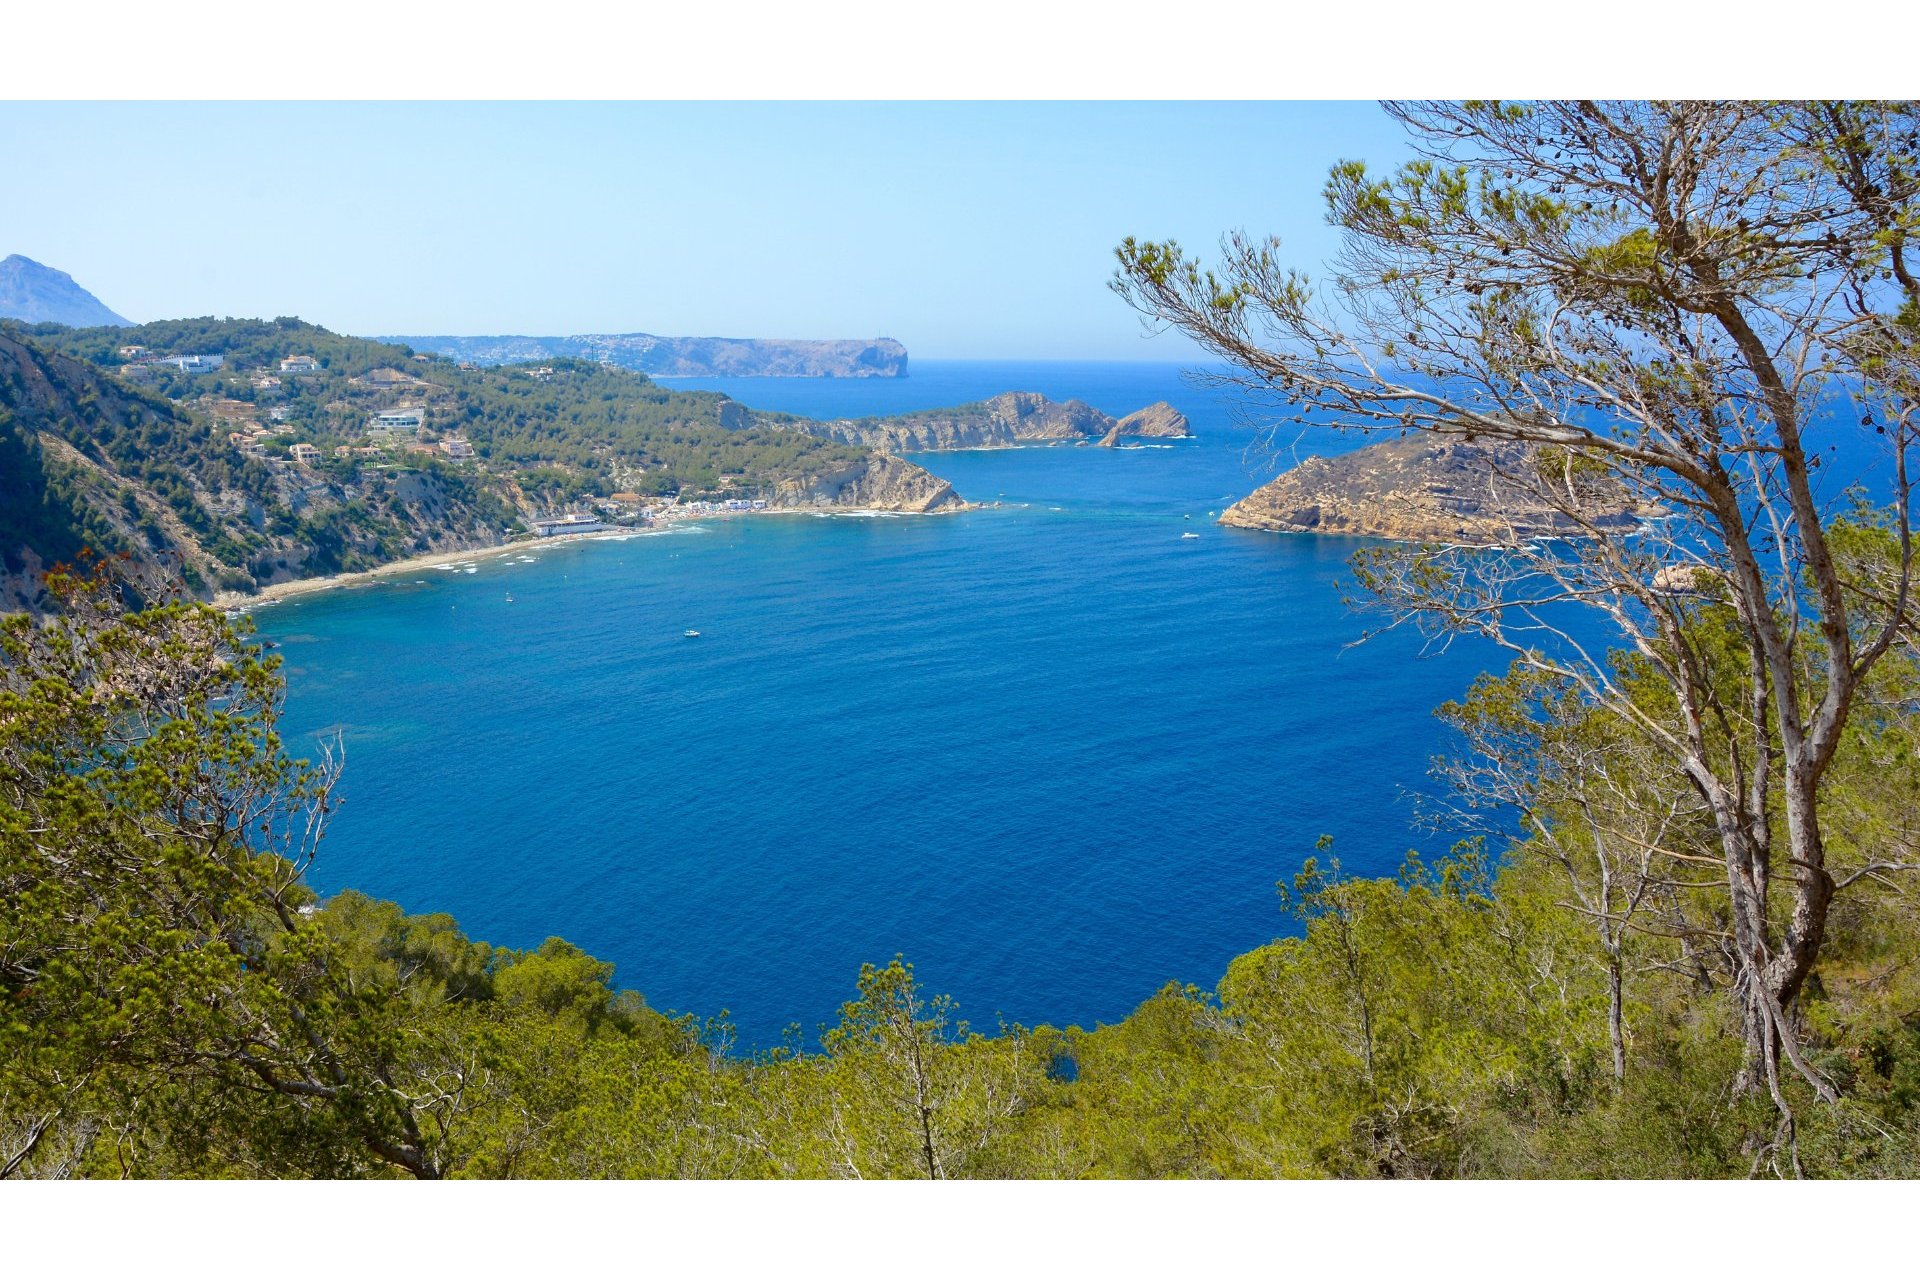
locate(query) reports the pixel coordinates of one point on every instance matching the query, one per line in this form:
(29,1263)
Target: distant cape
(39,294)
(683,357)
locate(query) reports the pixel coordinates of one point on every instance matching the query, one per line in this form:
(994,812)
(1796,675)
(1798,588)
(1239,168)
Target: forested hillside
(251,472)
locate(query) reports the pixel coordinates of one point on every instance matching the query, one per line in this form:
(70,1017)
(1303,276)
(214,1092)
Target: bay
(1053,751)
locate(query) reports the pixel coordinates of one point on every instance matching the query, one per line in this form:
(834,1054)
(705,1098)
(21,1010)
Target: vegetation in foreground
(178,1003)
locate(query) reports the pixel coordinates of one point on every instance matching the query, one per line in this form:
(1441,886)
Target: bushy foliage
(175,1002)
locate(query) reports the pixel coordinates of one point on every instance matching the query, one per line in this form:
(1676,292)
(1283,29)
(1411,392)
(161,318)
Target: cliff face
(875,483)
(1158,421)
(1004,421)
(684,357)
(1419,489)
(63,497)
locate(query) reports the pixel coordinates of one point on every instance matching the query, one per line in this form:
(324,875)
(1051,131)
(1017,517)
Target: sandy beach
(237,600)
(240,601)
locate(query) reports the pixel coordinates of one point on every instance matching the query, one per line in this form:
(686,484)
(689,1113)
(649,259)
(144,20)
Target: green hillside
(194,475)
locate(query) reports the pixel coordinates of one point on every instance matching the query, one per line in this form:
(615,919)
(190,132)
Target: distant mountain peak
(36,293)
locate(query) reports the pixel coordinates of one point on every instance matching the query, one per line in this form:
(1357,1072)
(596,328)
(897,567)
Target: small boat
(1189,535)
(509,597)
(692,634)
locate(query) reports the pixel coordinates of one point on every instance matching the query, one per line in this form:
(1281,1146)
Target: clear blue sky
(965,230)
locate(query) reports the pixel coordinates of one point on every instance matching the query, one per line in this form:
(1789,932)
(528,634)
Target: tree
(169,1002)
(1594,804)
(1674,303)
(913,1093)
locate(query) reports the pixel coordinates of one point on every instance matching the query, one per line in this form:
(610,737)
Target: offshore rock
(1008,420)
(1424,488)
(1158,421)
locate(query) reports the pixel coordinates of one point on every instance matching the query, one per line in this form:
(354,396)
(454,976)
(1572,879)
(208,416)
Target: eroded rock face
(1423,488)
(878,482)
(1007,420)
(1158,421)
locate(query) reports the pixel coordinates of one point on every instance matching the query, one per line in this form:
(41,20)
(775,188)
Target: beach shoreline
(242,601)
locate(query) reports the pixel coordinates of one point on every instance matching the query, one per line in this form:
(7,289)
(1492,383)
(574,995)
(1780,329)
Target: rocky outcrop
(1158,421)
(1010,419)
(36,293)
(877,482)
(1423,488)
(684,357)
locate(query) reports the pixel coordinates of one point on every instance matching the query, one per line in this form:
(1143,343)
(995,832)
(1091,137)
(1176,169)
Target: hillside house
(193,363)
(454,447)
(304,452)
(390,426)
(299,364)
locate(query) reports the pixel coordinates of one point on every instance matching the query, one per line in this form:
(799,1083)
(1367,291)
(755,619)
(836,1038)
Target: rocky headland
(1422,488)
(1008,420)
(877,482)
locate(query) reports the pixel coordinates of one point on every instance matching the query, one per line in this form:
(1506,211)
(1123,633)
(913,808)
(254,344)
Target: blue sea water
(1052,751)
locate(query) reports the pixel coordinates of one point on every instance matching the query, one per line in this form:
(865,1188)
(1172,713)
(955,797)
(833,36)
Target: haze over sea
(1054,752)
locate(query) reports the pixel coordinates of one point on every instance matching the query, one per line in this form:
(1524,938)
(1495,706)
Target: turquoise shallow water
(1054,752)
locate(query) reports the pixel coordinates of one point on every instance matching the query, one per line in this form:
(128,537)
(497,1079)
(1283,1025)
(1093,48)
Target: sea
(1057,752)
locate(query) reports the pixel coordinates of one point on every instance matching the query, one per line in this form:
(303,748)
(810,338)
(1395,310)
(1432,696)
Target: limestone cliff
(1421,488)
(683,357)
(877,482)
(1007,420)
(1158,421)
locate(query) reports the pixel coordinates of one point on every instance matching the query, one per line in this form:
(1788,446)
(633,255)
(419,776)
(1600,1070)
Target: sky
(965,230)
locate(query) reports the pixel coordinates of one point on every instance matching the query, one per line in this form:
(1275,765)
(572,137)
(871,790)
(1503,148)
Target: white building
(397,420)
(549,526)
(454,447)
(193,364)
(299,364)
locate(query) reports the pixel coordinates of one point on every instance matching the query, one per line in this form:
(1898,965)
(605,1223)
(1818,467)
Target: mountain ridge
(38,294)
(681,357)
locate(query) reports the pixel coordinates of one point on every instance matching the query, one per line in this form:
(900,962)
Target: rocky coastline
(1422,488)
(1012,419)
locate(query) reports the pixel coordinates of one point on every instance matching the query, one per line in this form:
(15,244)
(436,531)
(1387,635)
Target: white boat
(1189,535)
(692,634)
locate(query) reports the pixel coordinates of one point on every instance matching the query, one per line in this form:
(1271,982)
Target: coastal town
(397,437)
